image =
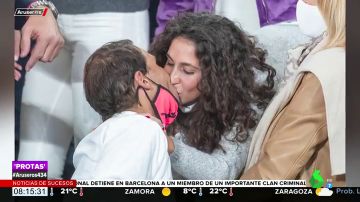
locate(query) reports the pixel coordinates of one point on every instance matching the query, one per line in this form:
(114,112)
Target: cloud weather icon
(323,192)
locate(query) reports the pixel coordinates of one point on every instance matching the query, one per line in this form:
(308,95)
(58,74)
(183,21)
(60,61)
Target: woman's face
(184,69)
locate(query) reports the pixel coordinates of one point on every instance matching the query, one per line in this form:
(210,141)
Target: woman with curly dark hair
(215,69)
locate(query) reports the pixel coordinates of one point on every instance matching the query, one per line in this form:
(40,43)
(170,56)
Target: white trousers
(54,107)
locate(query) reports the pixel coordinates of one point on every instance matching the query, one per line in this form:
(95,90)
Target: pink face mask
(165,105)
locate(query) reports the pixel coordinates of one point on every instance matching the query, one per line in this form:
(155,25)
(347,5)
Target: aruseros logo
(31,11)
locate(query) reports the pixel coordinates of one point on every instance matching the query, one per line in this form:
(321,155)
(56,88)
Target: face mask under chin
(164,104)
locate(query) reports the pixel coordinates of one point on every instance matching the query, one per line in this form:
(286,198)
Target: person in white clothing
(131,142)
(54,111)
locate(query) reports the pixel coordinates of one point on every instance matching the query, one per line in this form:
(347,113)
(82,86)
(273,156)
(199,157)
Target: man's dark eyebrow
(169,57)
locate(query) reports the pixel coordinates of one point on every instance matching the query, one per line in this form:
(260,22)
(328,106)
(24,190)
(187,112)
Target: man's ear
(142,81)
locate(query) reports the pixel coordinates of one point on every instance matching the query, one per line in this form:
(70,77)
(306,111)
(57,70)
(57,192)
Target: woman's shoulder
(327,64)
(332,56)
(230,143)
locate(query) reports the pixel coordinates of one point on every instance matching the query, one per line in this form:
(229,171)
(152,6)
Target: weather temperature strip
(218,190)
(69,191)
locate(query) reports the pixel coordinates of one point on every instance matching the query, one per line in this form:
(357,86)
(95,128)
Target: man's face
(158,74)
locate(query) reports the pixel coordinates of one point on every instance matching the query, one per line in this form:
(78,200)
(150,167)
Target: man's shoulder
(132,122)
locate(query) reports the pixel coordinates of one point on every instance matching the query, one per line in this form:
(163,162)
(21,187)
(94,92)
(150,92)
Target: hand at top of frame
(49,41)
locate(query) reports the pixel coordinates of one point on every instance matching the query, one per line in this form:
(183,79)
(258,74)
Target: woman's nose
(174,76)
(172,89)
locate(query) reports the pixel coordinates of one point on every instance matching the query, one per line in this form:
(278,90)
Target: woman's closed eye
(188,72)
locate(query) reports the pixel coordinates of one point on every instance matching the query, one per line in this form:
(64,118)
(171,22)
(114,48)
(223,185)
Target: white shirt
(127,146)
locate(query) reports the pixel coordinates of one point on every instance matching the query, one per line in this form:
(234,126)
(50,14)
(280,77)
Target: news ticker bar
(152,183)
(182,194)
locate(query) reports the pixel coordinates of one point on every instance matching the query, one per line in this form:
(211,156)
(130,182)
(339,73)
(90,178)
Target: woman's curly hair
(229,61)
